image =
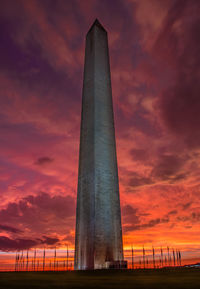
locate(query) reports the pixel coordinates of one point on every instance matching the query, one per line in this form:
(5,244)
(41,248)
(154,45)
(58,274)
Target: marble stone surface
(98,217)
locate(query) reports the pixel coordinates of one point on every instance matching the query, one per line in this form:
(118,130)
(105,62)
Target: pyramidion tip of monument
(96,23)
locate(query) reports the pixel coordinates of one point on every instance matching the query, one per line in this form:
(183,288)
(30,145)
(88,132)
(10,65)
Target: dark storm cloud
(165,167)
(130,215)
(139,154)
(129,210)
(179,45)
(170,214)
(43,161)
(8,244)
(10,229)
(40,214)
(186,206)
(150,224)
(49,240)
(168,167)
(173,212)
(61,206)
(69,238)
(193,217)
(136,180)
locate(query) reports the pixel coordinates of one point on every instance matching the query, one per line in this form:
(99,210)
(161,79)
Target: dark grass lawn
(150,279)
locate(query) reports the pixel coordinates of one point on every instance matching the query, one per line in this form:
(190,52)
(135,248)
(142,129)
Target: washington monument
(98,242)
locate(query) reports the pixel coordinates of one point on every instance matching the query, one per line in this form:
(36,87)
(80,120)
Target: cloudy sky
(155,69)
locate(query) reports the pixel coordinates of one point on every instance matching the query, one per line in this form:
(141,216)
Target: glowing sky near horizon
(155,69)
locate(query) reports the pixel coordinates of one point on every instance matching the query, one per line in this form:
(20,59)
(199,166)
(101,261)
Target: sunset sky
(155,69)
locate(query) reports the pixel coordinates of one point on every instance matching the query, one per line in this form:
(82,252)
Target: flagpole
(27,261)
(132,257)
(55,259)
(143,257)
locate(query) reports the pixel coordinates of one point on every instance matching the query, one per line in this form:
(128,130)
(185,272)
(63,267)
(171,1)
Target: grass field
(181,278)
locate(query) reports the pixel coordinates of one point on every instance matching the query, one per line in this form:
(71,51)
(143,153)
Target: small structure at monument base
(118,264)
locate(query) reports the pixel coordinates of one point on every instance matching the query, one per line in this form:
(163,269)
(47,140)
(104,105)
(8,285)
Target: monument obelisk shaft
(98,215)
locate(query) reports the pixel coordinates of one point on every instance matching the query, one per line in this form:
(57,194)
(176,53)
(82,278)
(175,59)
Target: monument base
(116,264)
